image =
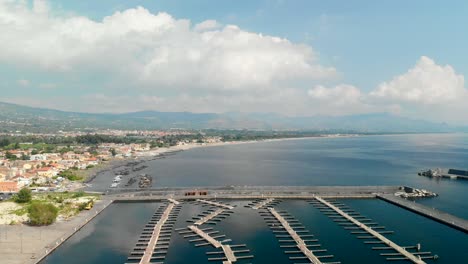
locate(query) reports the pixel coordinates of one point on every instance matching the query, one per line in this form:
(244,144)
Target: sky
(294,58)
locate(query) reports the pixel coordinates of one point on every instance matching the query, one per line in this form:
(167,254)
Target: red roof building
(8,187)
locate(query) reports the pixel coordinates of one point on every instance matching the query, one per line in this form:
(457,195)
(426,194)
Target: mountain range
(15,117)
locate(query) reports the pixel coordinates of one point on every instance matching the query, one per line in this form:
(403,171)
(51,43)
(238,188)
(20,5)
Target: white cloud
(426,83)
(342,99)
(153,50)
(340,94)
(207,25)
(23,82)
(169,64)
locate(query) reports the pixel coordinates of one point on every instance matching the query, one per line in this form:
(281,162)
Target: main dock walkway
(301,245)
(374,233)
(439,216)
(148,253)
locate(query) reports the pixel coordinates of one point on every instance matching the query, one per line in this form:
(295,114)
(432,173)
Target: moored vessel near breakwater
(445,173)
(145,181)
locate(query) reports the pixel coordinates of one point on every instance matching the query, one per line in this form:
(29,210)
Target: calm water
(373,160)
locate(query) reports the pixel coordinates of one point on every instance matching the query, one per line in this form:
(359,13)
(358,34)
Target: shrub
(78,194)
(70,175)
(42,213)
(82,206)
(23,196)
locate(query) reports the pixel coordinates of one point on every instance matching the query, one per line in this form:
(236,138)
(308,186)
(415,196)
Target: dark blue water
(372,160)
(108,238)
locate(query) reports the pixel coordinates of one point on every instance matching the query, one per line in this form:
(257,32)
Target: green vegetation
(10,156)
(71,174)
(113,152)
(78,194)
(21,211)
(41,213)
(23,196)
(43,208)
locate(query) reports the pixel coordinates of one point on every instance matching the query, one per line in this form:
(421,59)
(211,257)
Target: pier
(216,204)
(300,243)
(262,203)
(209,217)
(401,250)
(251,192)
(148,253)
(439,216)
(227,250)
(153,242)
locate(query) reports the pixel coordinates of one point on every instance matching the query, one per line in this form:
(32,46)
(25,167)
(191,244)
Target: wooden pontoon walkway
(374,233)
(216,204)
(209,217)
(146,259)
(262,203)
(301,245)
(226,248)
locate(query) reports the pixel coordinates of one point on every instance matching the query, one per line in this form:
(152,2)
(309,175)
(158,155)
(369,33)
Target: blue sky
(383,55)
(368,41)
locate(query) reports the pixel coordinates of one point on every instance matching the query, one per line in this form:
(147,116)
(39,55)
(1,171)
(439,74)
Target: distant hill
(15,117)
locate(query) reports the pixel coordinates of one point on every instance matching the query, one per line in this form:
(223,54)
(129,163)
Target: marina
(244,225)
(298,242)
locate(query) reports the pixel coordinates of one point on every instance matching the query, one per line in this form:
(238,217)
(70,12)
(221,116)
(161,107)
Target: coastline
(163,152)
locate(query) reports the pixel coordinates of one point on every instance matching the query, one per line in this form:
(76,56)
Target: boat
(445,173)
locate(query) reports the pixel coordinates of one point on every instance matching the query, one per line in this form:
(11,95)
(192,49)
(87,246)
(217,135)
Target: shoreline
(163,152)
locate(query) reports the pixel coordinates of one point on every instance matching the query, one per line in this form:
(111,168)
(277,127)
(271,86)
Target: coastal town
(66,167)
(67,160)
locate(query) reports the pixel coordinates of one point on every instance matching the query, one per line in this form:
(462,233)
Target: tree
(4,142)
(10,156)
(42,213)
(23,196)
(34,152)
(113,152)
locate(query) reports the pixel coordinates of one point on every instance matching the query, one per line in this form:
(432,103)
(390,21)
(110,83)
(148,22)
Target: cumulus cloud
(156,50)
(207,25)
(426,83)
(136,60)
(342,99)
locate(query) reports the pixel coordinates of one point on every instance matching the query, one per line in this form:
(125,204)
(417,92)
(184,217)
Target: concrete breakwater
(432,213)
